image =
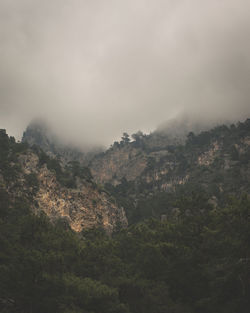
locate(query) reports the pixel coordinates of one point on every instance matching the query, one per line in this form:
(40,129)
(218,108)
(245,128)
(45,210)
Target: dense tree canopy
(197,260)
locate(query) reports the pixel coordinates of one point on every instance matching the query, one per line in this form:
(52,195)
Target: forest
(194,261)
(197,262)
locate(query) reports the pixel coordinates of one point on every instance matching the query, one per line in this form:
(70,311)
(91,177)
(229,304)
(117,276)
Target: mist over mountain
(180,126)
(124,156)
(165,220)
(95,70)
(39,133)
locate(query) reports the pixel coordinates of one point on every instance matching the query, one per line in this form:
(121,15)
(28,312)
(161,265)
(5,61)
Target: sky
(95,69)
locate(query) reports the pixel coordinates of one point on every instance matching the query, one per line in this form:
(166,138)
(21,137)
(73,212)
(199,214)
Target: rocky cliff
(117,163)
(154,170)
(83,206)
(166,163)
(137,170)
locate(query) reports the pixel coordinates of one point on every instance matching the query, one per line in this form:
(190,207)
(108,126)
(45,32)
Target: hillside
(148,175)
(193,257)
(196,263)
(66,193)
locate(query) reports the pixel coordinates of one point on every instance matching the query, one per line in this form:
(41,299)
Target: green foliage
(9,151)
(125,138)
(215,163)
(151,163)
(66,176)
(79,171)
(196,263)
(32,181)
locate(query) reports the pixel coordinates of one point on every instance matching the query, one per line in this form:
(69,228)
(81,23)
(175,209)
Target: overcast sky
(97,68)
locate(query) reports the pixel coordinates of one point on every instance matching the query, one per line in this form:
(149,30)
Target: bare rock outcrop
(83,207)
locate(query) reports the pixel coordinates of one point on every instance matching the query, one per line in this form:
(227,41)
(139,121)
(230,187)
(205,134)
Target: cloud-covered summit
(94,69)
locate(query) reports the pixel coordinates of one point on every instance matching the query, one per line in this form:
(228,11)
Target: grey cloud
(97,68)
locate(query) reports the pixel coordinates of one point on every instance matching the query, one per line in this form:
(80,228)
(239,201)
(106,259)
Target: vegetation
(196,262)
(65,175)
(224,154)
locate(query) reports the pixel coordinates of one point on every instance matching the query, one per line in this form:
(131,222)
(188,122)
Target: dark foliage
(197,262)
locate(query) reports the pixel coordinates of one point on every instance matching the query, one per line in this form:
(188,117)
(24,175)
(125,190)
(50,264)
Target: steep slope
(149,174)
(62,193)
(129,160)
(196,263)
(117,163)
(164,165)
(153,171)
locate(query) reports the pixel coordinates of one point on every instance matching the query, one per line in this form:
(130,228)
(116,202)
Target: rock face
(125,162)
(209,156)
(159,161)
(83,207)
(86,205)
(216,162)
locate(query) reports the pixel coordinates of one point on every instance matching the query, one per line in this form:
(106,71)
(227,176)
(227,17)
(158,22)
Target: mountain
(65,193)
(149,174)
(192,257)
(39,133)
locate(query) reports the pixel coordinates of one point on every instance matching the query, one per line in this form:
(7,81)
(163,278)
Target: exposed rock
(84,207)
(215,161)
(117,163)
(208,157)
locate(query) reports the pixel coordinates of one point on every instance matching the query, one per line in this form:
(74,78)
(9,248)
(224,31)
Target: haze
(95,69)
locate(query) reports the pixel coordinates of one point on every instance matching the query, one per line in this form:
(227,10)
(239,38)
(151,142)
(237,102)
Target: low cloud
(94,69)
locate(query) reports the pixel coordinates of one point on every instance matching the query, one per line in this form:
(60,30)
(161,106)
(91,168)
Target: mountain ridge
(146,170)
(66,193)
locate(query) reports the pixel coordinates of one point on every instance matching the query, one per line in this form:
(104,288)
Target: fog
(95,69)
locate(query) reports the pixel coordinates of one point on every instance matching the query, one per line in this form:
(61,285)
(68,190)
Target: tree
(137,136)
(125,138)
